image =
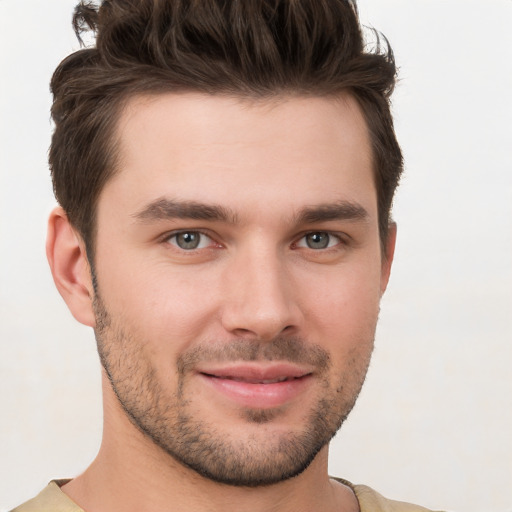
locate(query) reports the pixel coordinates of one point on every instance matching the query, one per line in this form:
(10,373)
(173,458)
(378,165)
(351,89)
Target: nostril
(288,329)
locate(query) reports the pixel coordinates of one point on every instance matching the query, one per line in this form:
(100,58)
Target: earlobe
(387,258)
(71,273)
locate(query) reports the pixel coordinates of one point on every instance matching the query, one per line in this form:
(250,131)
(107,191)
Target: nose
(260,299)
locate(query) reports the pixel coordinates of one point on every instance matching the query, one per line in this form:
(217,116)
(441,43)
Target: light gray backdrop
(433,424)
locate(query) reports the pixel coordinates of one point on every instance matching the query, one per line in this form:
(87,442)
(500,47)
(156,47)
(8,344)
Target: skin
(171,322)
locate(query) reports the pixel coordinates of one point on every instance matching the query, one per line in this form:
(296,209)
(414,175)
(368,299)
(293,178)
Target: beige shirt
(52,499)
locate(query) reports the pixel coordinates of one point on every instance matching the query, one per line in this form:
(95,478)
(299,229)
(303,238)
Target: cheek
(162,303)
(343,300)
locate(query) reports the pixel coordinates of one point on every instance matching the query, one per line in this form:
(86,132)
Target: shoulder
(50,499)
(371,501)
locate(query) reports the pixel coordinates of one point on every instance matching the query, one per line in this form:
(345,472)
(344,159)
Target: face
(239,276)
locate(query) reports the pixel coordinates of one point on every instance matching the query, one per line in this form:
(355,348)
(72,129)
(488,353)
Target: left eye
(190,240)
(318,240)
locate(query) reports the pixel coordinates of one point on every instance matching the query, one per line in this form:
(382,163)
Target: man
(225,173)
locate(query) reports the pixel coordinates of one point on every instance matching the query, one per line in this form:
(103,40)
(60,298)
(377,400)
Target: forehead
(216,148)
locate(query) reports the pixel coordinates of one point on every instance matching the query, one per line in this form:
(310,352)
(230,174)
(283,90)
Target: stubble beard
(167,418)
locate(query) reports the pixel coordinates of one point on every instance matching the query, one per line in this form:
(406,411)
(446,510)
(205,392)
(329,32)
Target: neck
(131,473)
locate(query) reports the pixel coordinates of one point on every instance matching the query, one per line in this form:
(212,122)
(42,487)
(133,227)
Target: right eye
(190,240)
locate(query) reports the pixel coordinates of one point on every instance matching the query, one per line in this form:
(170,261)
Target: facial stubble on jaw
(167,420)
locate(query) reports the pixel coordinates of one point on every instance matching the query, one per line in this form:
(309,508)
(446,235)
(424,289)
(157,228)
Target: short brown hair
(247,48)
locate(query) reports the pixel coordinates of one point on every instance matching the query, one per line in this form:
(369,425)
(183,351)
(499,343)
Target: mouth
(256,386)
(253,381)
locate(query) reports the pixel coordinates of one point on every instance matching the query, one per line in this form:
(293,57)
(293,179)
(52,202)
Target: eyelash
(175,234)
(341,240)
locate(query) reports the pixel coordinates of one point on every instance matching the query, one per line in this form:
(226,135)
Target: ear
(70,268)
(387,257)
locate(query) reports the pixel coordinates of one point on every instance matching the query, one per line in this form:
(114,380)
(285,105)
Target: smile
(255,381)
(256,387)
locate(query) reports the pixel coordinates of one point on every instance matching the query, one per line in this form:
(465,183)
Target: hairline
(249,97)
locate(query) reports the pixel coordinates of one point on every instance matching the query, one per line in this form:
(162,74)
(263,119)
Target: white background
(434,422)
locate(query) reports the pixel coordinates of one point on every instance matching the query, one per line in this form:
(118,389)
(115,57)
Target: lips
(255,386)
(255,381)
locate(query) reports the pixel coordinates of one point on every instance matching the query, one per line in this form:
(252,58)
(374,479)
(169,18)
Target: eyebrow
(165,209)
(341,210)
